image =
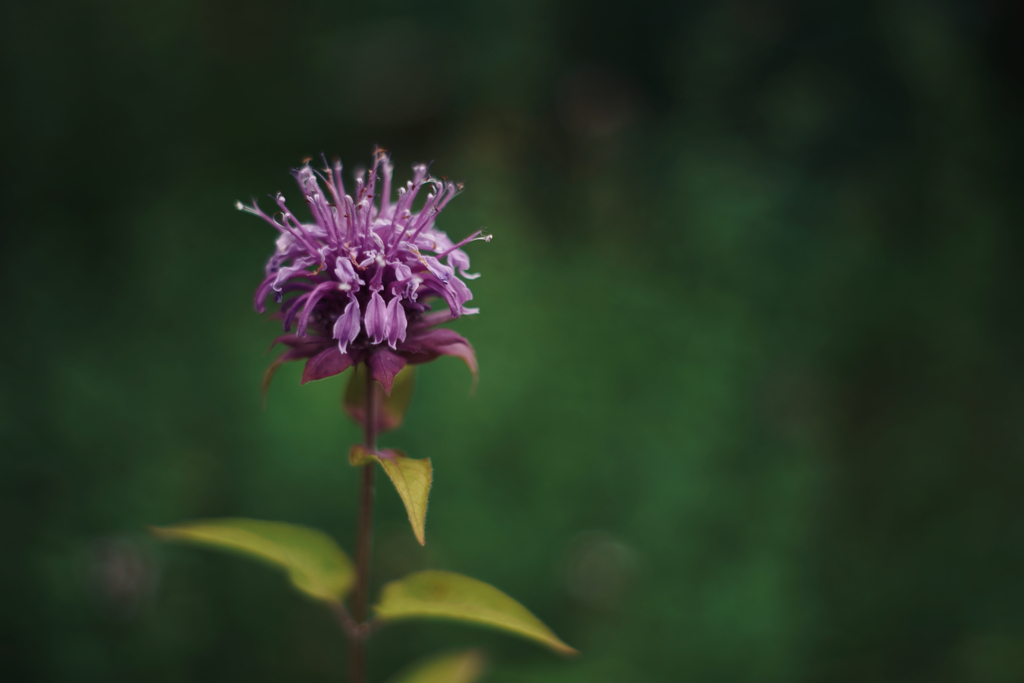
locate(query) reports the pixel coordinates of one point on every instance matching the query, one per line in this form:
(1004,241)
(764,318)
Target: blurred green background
(750,405)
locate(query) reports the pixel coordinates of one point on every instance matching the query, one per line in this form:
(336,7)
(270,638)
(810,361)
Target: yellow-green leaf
(412,479)
(390,409)
(314,562)
(446,595)
(450,667)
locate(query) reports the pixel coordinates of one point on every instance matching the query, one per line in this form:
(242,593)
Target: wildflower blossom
(364,272)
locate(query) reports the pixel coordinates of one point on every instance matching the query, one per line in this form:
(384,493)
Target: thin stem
(364,542)
(348,624)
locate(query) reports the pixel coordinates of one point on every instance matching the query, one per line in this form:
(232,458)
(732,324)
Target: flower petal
(289,309)
(346,274)
(346,328)
(434,318)
(299,266)
(327,363)
(395,321)
(311,303)
(440,271)
(431,286)
(376,313)
(262,292)
(463,294)
(384,365)
(460,260)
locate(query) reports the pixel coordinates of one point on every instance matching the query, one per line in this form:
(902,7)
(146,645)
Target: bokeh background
(750,405)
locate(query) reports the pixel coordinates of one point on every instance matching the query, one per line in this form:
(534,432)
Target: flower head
(357,282)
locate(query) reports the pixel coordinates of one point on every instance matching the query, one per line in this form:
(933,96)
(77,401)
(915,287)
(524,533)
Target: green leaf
(450,667)
(446,595)
(390,409)
(412,479)
(314,562)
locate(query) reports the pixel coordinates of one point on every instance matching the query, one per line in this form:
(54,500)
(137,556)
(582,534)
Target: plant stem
(364,542)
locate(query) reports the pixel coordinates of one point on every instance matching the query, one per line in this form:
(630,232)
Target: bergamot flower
(357,283)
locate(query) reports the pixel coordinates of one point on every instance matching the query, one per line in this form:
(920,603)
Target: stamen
(478,235)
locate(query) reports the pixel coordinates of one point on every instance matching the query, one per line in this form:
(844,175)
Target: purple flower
(357,282)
